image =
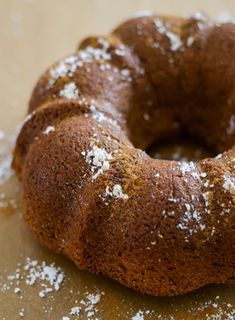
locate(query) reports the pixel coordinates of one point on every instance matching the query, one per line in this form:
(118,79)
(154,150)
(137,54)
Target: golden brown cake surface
(91,193)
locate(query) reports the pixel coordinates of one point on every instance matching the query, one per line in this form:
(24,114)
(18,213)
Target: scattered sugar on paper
(6,146)
(212,309)
(32,272)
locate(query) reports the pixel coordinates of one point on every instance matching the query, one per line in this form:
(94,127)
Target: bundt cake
(92,193)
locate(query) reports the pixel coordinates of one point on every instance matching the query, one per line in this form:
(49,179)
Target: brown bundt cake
(92,193)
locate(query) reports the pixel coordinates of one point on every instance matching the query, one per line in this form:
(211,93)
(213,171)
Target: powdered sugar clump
(69,91)
(212,309)
(139,316)
(65,67)
(189,167)
(90,54)
(75,311)
(126,74)
(87,306)
(160,26)
(48,130)
(68,66)
(175,40)
(229,183)
(52,275)
(94,298)
(116,192)
(98,159)
(191,220)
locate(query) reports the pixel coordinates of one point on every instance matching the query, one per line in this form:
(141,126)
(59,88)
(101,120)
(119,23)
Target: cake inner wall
(181,149)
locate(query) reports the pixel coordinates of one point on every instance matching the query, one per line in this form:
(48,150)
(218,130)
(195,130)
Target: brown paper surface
(33,34)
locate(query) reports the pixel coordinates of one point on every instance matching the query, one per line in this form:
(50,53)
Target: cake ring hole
(181,149)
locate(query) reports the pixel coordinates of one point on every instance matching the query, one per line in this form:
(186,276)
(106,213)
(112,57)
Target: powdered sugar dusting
(87,306)
(65,67)
(68,66)
(206,197)
(191,221)
(52,276)
(139,316)
(116,192)
(75,311)
(89,54)
(229,183)
(48,130)
(100,116)
(60,70)
(69,91)
(175,40)
(190,168)
(126,75)
(212,309)
(98,159)
(160,26)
